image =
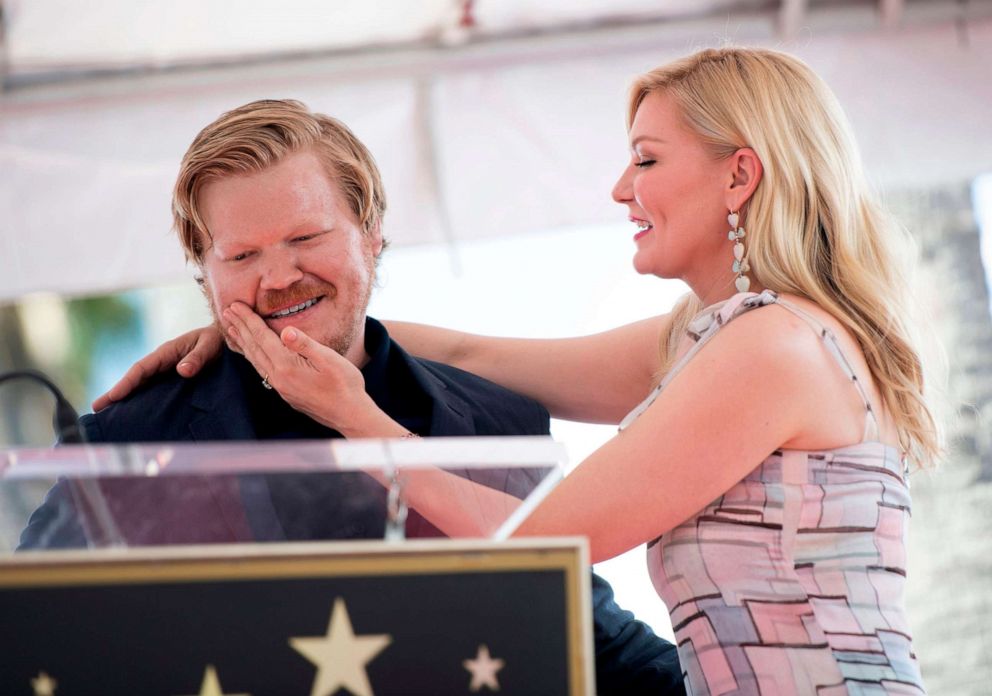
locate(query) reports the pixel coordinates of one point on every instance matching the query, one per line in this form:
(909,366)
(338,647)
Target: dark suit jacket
(630,659)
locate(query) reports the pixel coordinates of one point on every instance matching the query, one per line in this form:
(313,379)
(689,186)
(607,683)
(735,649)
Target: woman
(765,469)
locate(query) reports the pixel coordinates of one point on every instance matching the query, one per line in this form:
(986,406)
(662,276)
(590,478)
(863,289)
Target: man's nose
(622,191)
(282,269)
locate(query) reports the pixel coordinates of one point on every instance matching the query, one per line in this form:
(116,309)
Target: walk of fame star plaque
(314,619)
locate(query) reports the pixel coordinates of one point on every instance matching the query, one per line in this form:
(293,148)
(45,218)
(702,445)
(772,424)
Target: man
(281,210)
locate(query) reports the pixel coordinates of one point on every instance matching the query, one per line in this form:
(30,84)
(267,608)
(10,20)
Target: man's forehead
(289,199)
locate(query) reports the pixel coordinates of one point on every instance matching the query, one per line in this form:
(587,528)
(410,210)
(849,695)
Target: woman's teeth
(294,309)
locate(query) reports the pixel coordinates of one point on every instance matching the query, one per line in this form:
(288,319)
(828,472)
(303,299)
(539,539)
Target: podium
(320,568)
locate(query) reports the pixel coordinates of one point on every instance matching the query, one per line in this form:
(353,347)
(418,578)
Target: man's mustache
(274,300)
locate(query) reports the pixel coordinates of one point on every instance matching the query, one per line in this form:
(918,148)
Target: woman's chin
(643,265)
(648,268)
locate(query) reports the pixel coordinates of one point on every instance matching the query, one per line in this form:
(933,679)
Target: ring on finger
(265,382)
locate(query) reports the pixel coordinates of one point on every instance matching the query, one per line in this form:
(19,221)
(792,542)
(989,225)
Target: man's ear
(745,172)
(375,241)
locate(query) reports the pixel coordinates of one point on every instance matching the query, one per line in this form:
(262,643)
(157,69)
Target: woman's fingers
(255,339)
(300,343)
(333,368)
(188,353)
(207,344)
(312,378)
(327,387)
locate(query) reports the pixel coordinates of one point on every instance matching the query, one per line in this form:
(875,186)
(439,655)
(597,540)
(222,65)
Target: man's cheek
(222,291)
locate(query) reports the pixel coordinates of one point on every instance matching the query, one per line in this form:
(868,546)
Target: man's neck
(356,353)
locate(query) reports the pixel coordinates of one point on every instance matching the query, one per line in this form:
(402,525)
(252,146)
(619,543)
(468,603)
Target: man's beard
(339,337)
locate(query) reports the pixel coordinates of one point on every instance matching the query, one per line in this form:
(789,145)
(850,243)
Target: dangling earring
(741,266)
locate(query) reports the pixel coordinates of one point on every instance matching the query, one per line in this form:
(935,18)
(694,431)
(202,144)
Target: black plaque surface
(421,618)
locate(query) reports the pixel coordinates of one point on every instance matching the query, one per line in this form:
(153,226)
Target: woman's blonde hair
(814,228)
(253,137)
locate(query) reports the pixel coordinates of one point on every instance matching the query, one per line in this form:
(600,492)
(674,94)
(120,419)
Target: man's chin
(339,339)
(343,340)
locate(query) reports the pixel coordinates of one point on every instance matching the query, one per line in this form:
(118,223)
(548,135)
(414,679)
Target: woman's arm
(740,398)
(458,506)
(597,378)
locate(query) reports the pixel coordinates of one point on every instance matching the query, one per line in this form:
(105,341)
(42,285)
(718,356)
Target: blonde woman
(763,449)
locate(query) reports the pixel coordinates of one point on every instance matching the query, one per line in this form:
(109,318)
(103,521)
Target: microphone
(65,420)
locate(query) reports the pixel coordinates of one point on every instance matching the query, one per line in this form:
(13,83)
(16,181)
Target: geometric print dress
(792,581)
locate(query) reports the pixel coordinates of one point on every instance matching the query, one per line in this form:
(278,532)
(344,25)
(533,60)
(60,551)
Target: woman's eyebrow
(640,138)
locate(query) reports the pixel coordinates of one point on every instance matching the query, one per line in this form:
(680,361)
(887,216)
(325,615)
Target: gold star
(44,685)
(211,684)
(340,655)
(483,669)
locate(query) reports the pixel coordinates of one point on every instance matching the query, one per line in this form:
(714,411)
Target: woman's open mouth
(643,227)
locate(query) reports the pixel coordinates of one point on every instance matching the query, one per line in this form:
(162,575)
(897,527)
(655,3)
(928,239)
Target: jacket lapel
(221,404)
(450,414)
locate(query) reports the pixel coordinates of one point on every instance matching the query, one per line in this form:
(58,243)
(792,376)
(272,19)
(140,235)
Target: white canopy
(480,130)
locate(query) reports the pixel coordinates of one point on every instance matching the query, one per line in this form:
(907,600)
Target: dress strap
(872,430)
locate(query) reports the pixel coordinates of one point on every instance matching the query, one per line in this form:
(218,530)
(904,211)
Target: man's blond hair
(258,135)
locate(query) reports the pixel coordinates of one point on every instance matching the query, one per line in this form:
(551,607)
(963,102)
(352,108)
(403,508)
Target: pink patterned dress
(792,581)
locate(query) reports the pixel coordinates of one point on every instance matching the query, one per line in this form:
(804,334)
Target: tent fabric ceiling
(476,141)
(52,36)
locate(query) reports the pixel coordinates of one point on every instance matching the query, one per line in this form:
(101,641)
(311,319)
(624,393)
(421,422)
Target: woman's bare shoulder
(775,332)
(795,350)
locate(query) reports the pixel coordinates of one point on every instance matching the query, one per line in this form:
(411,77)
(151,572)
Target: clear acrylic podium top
(136,495)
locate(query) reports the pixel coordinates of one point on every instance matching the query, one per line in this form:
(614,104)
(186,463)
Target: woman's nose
(622,189)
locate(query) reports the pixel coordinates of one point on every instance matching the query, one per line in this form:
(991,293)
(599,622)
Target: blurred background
(499,128)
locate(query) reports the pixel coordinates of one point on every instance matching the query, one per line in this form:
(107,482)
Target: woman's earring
(741,266)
